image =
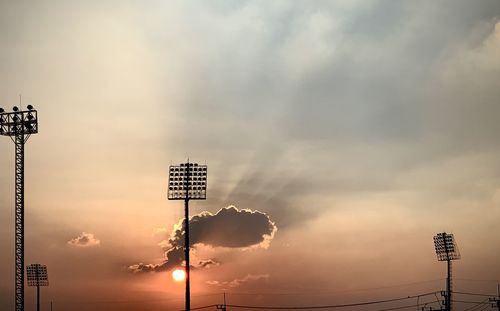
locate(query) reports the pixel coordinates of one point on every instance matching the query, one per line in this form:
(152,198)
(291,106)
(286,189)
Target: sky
(340,137)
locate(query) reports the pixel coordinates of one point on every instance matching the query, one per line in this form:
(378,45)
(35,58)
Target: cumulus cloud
(85,239)
(230,227)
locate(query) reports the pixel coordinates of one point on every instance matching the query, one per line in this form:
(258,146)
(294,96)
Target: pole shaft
(38,297)
(498,298)
(186,241)
(448,287)
(19,221)
(37,273)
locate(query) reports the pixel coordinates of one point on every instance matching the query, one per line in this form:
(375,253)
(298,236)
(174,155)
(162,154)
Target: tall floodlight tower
(447,250)
(19,125)
(37,276)
(187,181)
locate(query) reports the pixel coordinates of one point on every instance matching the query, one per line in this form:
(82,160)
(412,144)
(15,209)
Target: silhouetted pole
(19,125)
(186,242)
(495,301)
(37,276)
(447,250)
(187,181)
(222,307)
(448,287)
(37,290)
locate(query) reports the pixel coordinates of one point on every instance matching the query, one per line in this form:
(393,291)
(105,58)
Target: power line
(474,294)
(424,304)
(477,280)
(129,301)
(200,308)
(468,301)
(398,308)
(327,306)
(327,292)
(477,306)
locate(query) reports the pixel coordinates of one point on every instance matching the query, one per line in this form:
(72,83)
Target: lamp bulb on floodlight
(15,108)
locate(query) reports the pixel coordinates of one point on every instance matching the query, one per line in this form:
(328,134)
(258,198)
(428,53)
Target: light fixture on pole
(19,125)
(187,181)
(447,250)
(37,276)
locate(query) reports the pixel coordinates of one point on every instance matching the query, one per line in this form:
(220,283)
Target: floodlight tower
(37,276)
(19,125)
(447,250)
(187,181)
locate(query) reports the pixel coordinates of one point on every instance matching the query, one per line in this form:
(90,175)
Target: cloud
(85,239)
(174,258)
(238,282)
(207,263)
(230,227)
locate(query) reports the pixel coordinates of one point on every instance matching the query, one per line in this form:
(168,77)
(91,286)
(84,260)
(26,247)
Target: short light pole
(37,276)
(187,181)
(447,250)
(495,301)
(222,307)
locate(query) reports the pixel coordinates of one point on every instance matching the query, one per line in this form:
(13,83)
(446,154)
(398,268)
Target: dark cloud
(174,258)
(207,263)
(230,227)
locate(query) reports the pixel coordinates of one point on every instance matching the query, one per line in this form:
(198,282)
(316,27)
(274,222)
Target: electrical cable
(477,306)
(328,306)
(326,292)
(473,294)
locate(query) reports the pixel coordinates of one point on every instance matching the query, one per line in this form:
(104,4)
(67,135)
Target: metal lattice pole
(19,219)
(19,125)
(449,288)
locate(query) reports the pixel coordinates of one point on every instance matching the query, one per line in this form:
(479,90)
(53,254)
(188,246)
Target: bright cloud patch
(84,240)
(238,282)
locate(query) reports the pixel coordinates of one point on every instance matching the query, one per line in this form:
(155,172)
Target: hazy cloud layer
(229,227)
(334,98)
(85,239)
(238,282)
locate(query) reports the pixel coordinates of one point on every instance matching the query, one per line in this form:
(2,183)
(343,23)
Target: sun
(179,275)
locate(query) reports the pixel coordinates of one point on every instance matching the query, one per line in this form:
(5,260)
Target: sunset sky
(340,137)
